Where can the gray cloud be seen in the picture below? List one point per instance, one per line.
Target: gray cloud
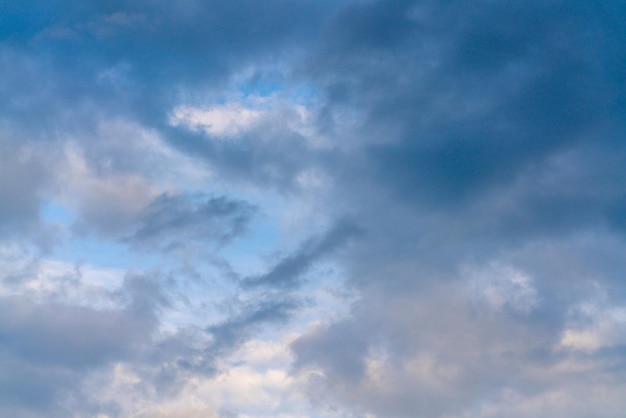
(48, 348)
(24, 180)
(433, 352)
(126, 59)
(230, 333)
(486, 137)
(465, 107)
(173, 221)
(287, 273)
(67, 336)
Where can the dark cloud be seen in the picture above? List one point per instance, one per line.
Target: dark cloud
(23, 182)
(616, 214)
(271, 159)
(132, 59)
(232, 332)
(173, 221)
(288, 272)
(465, 97)
(484, 131)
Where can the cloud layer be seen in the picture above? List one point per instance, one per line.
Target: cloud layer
(297, 208)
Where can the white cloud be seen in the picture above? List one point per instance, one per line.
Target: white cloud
(253, 113)
(595, 325)
(500, 285)
(253, 382)
(223, 121)
(179, 409)
(48, 280)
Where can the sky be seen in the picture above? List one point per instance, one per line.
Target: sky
(312, 209)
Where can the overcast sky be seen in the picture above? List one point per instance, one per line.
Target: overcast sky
(312, 209)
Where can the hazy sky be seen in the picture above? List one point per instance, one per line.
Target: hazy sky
(313, 209)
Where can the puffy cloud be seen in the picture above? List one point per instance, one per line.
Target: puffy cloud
(219, 121)
(49, 346)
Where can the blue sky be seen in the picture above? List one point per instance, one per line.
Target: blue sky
(299, 208)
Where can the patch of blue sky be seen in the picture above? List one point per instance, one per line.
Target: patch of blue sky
(101, 252)
(56, 213)
(246, 253)
(77, 248)
(304, 93)
(272, 83)
(261, 86)
(264, 234)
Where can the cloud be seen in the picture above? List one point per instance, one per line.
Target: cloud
(49, 347)
(451, 127)
(172, 221)
(71, 336)
(456, 168)
(504, 287)
(288, 272)
(219, 121)
(24, 179)
(229, 334)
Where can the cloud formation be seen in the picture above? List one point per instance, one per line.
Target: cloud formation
(347, 208)
(169, 222)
